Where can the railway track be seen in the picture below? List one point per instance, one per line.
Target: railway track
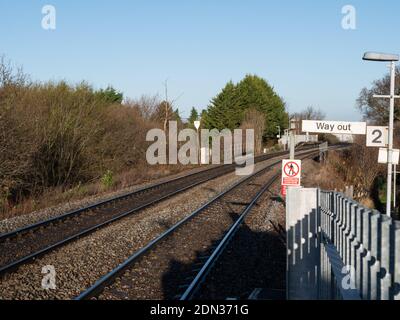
(201, 276)
(28, 243)
(176, 263)
(252, 261)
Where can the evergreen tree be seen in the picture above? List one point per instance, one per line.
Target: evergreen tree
(194, 116)
(176, 116)
(111, 95)
(228, 108)
(255, 92)
(224, 110)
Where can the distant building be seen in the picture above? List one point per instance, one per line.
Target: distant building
(349, 138)
(299, 138)
(297, 123)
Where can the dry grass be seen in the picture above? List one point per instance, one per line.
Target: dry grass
(356, 166)
(58, 196)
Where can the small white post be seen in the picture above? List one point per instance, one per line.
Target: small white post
(394, 186)
(292, 144)
(197, 126)
(292, 138)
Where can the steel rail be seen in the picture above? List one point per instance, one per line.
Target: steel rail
(109, 278)
(95, 205)
(69, 214)
(201, 276)
(15, 264)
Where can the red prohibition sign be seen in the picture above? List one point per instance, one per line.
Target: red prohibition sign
(292, 169)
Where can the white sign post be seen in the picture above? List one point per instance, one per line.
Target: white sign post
(334, 127)
(197, 125)
(377, 137)
(383, 156)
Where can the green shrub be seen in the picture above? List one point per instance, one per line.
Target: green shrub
(107, 179)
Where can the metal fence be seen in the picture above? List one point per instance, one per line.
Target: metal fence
(360, 251)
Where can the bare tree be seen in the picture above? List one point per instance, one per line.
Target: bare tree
(146, 105)
(374, 110)
(168, 107)
(11, 76)
(255, 120)
(310, 113)
(356, 166)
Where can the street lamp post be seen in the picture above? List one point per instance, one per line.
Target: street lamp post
(392, 58)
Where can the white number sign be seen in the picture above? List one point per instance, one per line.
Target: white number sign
(377, 136)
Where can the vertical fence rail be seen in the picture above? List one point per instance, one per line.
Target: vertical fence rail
(363, 245)
(396, 289)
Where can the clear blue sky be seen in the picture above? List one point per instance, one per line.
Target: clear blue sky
(299, 46)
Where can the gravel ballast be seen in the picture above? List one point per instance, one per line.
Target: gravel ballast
(11, 224)
(79, 264)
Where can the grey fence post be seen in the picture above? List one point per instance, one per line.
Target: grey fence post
(343, 233)
(342, 226)
(358, 248)
(333, 217)
(339, 225)
(396, 289)
(303, 251)
(365, 293)
(385, 276)
(375, 252)
(347, 233)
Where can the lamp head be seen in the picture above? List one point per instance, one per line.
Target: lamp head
(382, 57)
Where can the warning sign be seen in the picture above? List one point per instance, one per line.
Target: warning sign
(283, 191)
(291, 173)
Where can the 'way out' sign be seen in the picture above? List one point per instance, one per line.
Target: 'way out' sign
(334, 127)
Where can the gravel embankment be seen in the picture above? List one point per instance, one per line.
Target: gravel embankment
(256, 257)
(36, 240)
(11, 224)
(79, 264)
(162, 272)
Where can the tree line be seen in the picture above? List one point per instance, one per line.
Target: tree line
(63, 135)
